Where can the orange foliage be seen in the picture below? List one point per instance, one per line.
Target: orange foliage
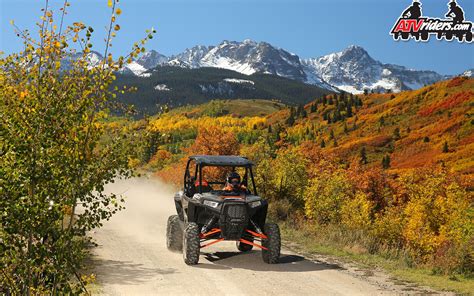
(214, 141)
(210, 141)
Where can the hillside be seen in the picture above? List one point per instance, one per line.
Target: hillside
(411, 128)
(235, 108)
(175, 86)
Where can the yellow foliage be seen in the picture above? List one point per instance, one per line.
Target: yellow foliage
(356, 212)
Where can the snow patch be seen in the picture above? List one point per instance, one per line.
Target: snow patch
(136, 68)
(239, 81)
(162, 87)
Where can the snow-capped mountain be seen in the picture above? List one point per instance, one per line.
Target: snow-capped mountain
(247, 57)
(354, 70)
(148, 60)
(468, 73)
(93, 59)
(191, 57)
(151, 59)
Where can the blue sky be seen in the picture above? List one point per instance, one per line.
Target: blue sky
(307, 28)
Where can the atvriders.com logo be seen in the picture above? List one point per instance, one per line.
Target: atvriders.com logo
(412, 24)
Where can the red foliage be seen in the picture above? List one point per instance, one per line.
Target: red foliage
(456, 81)
(450, 102)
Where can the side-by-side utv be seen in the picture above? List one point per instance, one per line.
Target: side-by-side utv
(208, 212)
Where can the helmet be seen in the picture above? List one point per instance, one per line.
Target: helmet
(416, 3)
(233, 179)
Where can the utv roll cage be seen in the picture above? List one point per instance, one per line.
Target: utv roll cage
(202, 161)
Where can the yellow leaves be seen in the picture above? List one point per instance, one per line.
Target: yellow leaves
(57, 44)
(23, 94)
(116, 27)
(12, 22)
(118, 11)
(109, 3)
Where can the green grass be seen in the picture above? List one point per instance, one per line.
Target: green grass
(252, 107)
(307, 241)
(237, 107)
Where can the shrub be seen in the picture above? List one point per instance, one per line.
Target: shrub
(325, 196)
(54, 157)
(356, 212)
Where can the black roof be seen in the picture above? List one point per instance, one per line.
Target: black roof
(221, 160)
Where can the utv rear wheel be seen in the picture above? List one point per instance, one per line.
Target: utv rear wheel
(191, 244)
(244, 247)
(174, 234)
(272, 243)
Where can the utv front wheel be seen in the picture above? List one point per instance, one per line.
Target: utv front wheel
(174, 234)
(191, 244)
(272, 243)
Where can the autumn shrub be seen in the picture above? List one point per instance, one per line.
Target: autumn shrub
(438, 220)
(447, 103)
(325, 196)
(161, 159)
(356, 212)
(210, 140)
(284, 178)
(54, 159)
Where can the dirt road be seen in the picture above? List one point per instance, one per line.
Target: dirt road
(132, 259)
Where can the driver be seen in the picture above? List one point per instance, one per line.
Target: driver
(234, 183)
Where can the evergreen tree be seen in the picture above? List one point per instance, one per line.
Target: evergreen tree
(386, 162)
(349, 110)
(299, 110)
(270, 129)
(335, 143)
(291, 119)
(323, 144)
(363, 156)
(331, 135)
(396, 134)
(426, 139)
(382, 121)
(346, 130)
(314, 108)
(304, 114)
(445, 147)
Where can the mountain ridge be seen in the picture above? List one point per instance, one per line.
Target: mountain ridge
(351, 70)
